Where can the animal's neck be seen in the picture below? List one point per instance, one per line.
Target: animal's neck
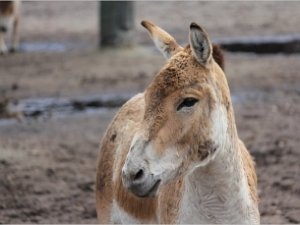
(218, 192)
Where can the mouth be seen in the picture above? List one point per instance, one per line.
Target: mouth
(151, 192)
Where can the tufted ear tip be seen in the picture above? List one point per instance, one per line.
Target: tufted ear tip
(195, 26)
(163, 40)
(145, 23)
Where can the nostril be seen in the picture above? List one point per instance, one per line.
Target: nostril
(139, 175)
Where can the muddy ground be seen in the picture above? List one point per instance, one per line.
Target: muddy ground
(47, 166)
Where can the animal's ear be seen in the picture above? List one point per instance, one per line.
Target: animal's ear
(163, 40)
(200, 44)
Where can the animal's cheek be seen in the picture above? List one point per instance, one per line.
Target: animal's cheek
(165, 137)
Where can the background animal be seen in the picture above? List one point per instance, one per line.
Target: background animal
(172, 153)
(9, 23)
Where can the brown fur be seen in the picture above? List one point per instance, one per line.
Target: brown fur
(104, 175)
(144, 209)
(107, 190)
(178, 74)
(218, 56)
(154, 112)
(169, 201)
(249, 167)
(9, 20)
(6, 8)
(167, 40)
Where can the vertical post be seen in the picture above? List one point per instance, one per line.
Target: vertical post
(116, 23)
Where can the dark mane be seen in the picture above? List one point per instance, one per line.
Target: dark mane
(218, 56)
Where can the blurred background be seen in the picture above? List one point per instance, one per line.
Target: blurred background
(71, 73)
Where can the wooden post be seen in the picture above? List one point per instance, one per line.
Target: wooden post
(116, 23)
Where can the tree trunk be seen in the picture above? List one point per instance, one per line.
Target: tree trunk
(116, 23)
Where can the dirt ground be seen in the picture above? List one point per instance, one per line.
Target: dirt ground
(47, 167)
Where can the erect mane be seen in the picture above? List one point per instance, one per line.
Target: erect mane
(218, 56)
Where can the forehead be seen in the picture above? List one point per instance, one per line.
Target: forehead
(180, 72)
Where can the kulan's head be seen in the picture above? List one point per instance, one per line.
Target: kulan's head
(185, 117)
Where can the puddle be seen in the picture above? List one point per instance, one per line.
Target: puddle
(39, 46)
(277, 44)
(287, 44)
(45, 108)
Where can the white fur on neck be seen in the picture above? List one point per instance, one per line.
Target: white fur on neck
(218, 192)
(220, 127)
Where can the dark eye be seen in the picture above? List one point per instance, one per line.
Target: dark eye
(187, 102)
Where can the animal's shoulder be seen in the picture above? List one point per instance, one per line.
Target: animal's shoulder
(132, 109)
(126, 119)
(130, 114)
